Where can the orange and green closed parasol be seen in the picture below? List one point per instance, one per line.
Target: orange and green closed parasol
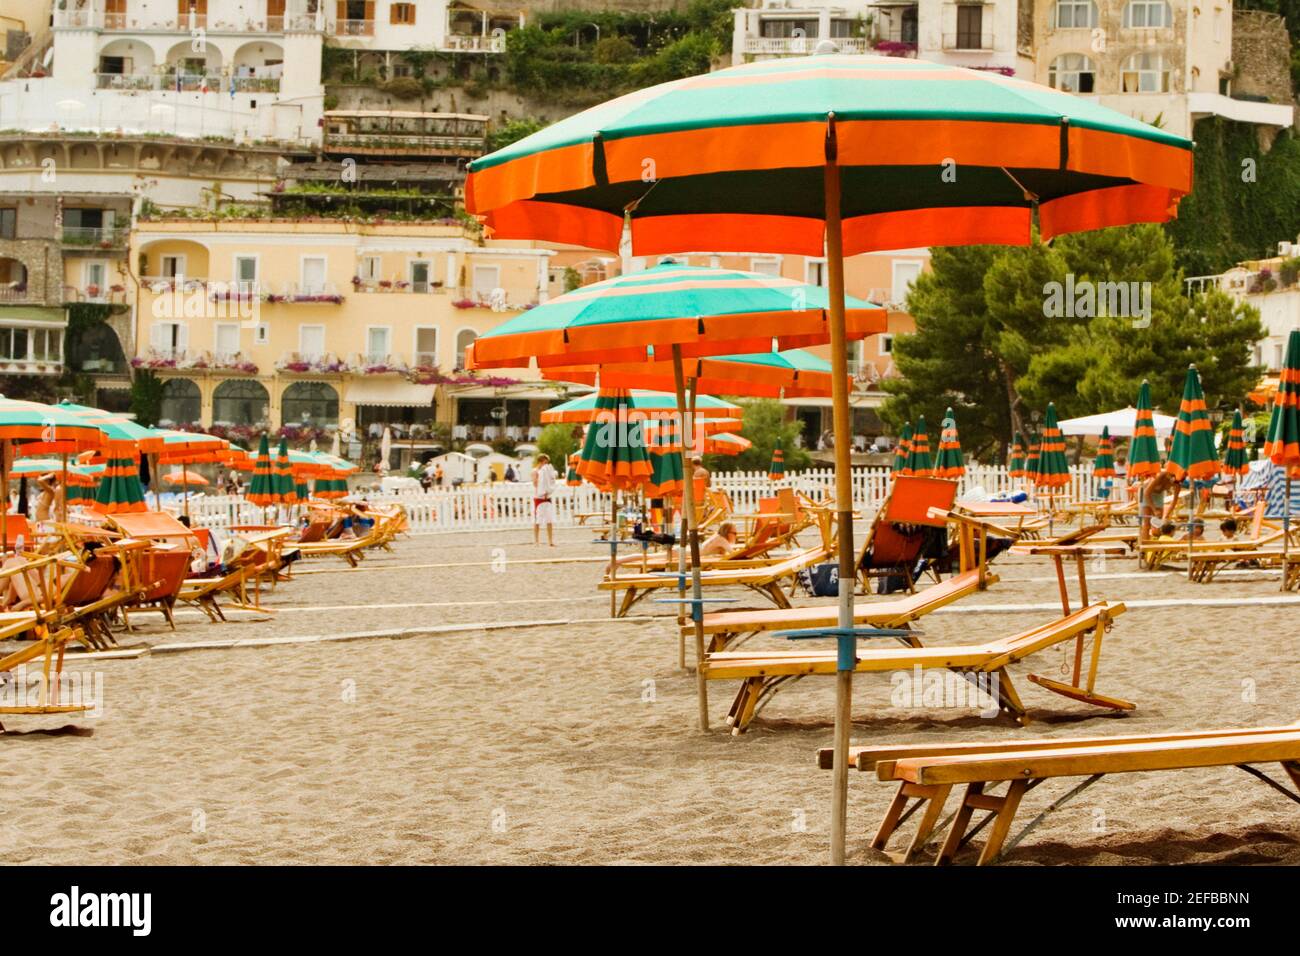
(1053, 469)
(1016, 464)
(949, 464)
(776, 470)
(614, 454)
(1235, 461)
(261, 489)
(903, 450)
(1104, 465)
(572, 478)
(282, 475)
(120, 490)
(1034, 458)
(1193, 455)
(919, 462)
(1143, 449)
(1282, 443)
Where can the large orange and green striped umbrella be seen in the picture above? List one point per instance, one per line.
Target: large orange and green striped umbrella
(331, 479)
(638, 405)
(1104, 465)
(665, 480)
(1235, 461)
(614, 454)
(635, 317)
(949, 464)
(121, 434)
(1033, 458)
(1193, 455)
(727, 443)
(733, 161)
(1053, 469)
(120, 490)
(919, 462)
(903, 451)
(282, 475)
(1143, 450)
(261, 489)
(572, 478)
(1282, 443)
(776, 470)
(1016, 464)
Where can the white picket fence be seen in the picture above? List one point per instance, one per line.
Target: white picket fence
(510, 506)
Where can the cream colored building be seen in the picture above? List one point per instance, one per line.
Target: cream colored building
(266, 322)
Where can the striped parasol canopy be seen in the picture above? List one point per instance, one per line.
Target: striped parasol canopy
(1235, 461)
(183, 476)
(665, 480)
(121, 434)
(261, 489)
(1053, 469)
(1193, 454)
(776, 470)
(633, 318)
(1016, 464)
(726, 443)
(1143, 449)
(639, 405)
(282, 475)
(1104, 465)
(120, 491)
(919, 462)
(571, 477)
(1282, 443)
(188, 448)
(949, 464)
(903, 450)
(331, 478)
(1033, 458)
(614, 454)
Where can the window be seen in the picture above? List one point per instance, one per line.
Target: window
(240, 401)
(464, 339)
(377, 338)
(261, 334)
(886, 345)
(181, 402)
(905, 274)
(426, 346)
(786, 29)
(172, 266)
(310, 403)
(487, 279)
(169, 339)
(225, 339)
(1147, 14)
(311, 342)
(13, 344)
(246, 273)
(47, 345)
(767, 267)
(1073, 73)
(1144, 73)
(8, 223)
(402, 13)
(1075, 15)
(419, 271)
(970, 27)
(313, 275)
(371, 268)
(95, 276)
(814, 271)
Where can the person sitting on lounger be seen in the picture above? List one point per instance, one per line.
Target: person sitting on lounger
(1197, 533)
(721, 542)
(1168, 532)
(1228, 528)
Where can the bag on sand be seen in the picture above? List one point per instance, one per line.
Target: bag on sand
(821, 580)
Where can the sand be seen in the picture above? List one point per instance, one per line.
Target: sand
(561, 736)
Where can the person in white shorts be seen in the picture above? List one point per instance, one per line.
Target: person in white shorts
(544, 479)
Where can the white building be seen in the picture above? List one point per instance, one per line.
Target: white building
(970, 34)
(1273, 287)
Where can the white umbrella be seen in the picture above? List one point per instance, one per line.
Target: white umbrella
(1119, 422)
(385, 449)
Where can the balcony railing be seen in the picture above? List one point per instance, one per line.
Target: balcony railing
(377, 363)
(469, 43)
(102, 237)
(311, 363)
(17, 293)
(354, 28)
(312, 292)
(968, 41)
(257, 84)
(135, 23)
(461, 145)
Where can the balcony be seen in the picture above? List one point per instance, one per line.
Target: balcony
(972, 41)
(396, 143)
(180, 83)
(146, 22)
(469, 43)
(310, 363)
(374, 363)
(312, 293)
(354, 28)
(17, 292)
(95, 237)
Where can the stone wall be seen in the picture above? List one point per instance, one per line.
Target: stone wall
(1261, 55)
(44, 263)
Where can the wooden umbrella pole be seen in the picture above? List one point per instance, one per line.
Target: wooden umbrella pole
(4, 483)
(155, 480)
(693, 533)
(1286, 524)
(63, 497)
(843, 492)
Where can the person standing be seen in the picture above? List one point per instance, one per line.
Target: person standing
(544, 479)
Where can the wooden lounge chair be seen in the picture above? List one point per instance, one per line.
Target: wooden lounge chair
(761, 673)
(897, 536)
(90, 600)
(153, 526)
(926, 774)
(156, 576)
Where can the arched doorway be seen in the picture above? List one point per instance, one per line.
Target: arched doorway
(310, 403)
(181, 403)
(240, 402)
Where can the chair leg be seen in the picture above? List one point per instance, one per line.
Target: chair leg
(937, 797)
(959, 824)
(1002, 823)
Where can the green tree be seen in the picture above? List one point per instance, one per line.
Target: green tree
(558, 442)
(764, 424)
(146, 396)
(511, 131)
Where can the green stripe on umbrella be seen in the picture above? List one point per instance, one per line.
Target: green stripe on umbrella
(1193, 455)
(1143, 449)
(644, 404)
(282, 475)
(903, 450)
(665, 475)
(1053, 469)
(261, 489)
(919, 462)
(1104, 465)
(120, 490)
(1016, 465)
(776, 470)
(949, 464)
(1235, 460)
(1282, 444)
(614, 454)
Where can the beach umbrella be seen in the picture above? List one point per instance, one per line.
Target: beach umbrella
(282, 474)
(1193, 455)
(665, 479)
(830, 156)
(903, 451)
(572, 478)
(1053, 469)
(262, 489)
(614, 455)
(641, 405)
(1143, 450)
(1235, 461)
(120, 490)
(1104, 465)
(1016, 465)
(1120, 423)
(1282, 443)
(776, 470)
(919, 462)
(725, 443)
(949, 464)
(331, 477)
(190, 479)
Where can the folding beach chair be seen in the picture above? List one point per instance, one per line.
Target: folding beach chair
(898, 535)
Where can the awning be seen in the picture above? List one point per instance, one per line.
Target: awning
(521, 394)
(859, 400)
(394, 394)
(33, 315)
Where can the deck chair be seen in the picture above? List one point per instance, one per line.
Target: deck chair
(153, 526)
(761, 673)
(926, 774)
(202, 592)
(351, 550)
(156, 576)
(89, 599)
(894, 542)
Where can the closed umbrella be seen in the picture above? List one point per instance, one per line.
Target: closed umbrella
(1282, 444)
(1053, 469)
(261, 489)
(1143, 450)
(282, 475)
(949, 464)
(903, 451)
(919, 462)
(776, 470)
(1192, 455)
(1016, 464)
(1104, 465)
(572, 478)
(1235, 461)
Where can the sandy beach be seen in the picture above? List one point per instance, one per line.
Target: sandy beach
(496, 714)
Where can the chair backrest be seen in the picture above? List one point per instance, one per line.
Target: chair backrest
(162, 573)
(91, 581)
(790, 505)
(314, 532)
(153, 526)
(1257, 520)
(911, 499)
(16, 527)
(757, 544)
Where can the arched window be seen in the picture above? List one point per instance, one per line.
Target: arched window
(464, 339)
(1075, 15)
(240, 402)
(1145, 14)
(1072, 72)
(1144, 73)
(180, 403)
(310, 403)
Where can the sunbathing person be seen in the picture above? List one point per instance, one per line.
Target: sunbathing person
(721, 542)
(1228, 528)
